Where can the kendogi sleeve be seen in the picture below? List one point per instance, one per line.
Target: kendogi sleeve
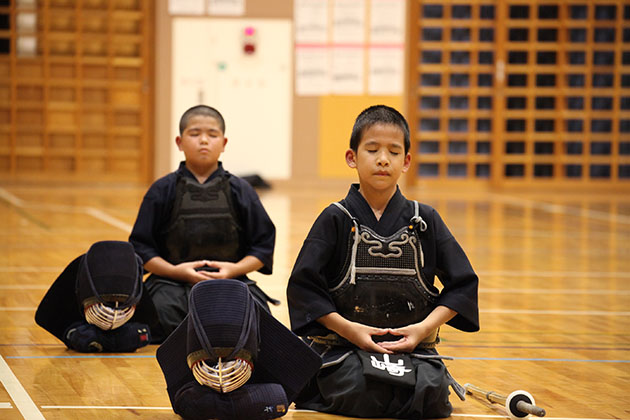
(458, 277)
(259, 232)
(152, 216)
(307, 291)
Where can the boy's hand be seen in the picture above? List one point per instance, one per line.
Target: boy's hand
(410, 337)
(232, 270)
(192, 272)
(358, 334)
(188, 272)
(361, 336)
(226, 270)
(221, 270)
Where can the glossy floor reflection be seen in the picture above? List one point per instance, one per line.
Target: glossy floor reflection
(554, 296)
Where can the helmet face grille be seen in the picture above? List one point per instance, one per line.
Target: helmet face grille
(224, 376)
(106, 317)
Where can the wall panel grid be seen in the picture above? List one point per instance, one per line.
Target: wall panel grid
(520, 92)
(74, 89)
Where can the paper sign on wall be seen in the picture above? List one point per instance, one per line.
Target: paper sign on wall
(312, 74)
(310, 20)
(226, 7)
(333, 38)
(186, 7)
(387, 22)
(348, 22)
(203, 7)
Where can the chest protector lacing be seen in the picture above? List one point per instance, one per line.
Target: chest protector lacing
(382, 283)
(203, 223)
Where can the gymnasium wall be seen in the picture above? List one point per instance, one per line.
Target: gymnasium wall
(511, 94)
(320, 118)
(76, 90)
(520, 94)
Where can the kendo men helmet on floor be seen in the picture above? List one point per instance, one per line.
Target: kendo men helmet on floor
(109, 284)
(97, 304)
(230, 359)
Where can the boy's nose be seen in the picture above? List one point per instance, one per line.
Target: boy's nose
(382, 160)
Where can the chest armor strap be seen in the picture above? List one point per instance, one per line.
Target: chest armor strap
(383, 284)
(203, 223)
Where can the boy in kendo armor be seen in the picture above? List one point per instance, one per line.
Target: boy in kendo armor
(97, 303)
(362, 290)
(200, 223)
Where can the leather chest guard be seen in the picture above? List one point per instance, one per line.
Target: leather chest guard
(382, 284)
(203, 222)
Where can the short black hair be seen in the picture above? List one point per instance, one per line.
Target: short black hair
(378, 114)
(205, 110)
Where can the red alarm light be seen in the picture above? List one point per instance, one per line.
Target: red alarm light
(249, 40)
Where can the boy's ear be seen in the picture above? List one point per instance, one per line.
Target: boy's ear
(178, 142)
(407, 163)
(351, 158)
(224, 142)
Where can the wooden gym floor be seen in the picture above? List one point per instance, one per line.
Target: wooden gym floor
(554, 300)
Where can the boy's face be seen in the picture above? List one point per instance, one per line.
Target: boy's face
(380, 158)
(202, 142)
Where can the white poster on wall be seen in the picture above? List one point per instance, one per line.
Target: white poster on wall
(387, 21)
(312, 70)
(226, 7)
(386, 55)
(312, 58)
(251, 88)
(186, 7)
(310, 19)
(347, 53)
(386, 72)
(348, 26)
(347, 70)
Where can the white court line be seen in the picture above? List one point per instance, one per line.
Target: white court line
(10, 269)
(552, 291)
(552, 312)
(10, 198)
(484, 311)
(5, 405)
(499, 273)
(494, 416)
(18, 308)
(18, 394)
(102, 407)
(580, 274)
(294, 410)
(481, 290)
(110, 220)
(562, 209)
(543, 234)
(90, 211)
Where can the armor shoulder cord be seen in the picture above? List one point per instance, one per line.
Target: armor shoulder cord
(417, 219)
(355, 243)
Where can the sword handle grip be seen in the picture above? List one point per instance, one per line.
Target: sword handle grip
(531, 409)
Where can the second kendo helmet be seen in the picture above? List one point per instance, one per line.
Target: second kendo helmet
(103, 290)
(230, 359)
(109, 284)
